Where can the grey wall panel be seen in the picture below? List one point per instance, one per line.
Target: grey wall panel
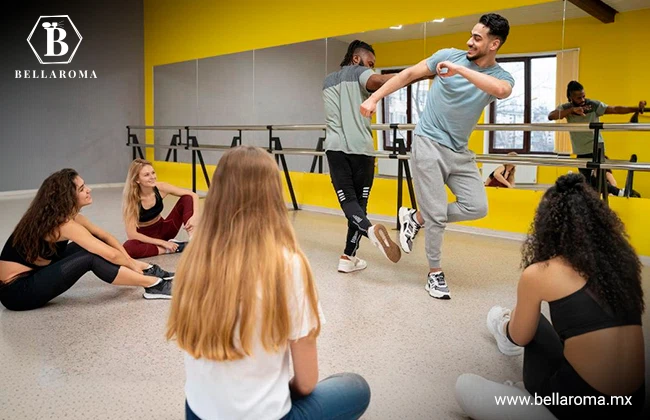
(49, 124)
(288, 90)
(175, 102)
(279, 85)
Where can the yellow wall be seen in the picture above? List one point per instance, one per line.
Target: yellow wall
(613, 69)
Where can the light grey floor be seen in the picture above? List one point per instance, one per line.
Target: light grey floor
(98, 351)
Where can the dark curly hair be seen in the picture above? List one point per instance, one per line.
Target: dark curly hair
(573, 223)
(55, 202)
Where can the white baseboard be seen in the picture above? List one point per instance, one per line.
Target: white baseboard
(6, 195)
(519, 237)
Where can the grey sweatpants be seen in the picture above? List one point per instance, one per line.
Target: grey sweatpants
(435, 165)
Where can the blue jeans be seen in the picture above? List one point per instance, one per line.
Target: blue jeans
(341, 396)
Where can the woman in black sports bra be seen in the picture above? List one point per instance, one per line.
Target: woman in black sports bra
(148, 231)
(53, 245)
(577, 259)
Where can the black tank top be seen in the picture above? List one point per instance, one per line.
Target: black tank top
(147, 215)
(9, 253)
(581, 312)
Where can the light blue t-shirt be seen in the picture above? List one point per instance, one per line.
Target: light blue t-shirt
(454, 104)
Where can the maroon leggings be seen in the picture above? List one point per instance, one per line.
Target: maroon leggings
(165, 229)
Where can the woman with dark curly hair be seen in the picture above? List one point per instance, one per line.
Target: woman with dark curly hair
(578, 259)
(39, 263)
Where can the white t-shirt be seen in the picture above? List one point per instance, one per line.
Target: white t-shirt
(254, 387)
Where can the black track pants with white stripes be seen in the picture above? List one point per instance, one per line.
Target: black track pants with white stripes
(352, 177)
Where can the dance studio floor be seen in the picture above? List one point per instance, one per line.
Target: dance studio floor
(99, 351)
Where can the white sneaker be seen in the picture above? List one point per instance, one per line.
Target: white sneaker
(437, 286)
(353, 264)
(408, 228)
(497, 318)
(380, 238)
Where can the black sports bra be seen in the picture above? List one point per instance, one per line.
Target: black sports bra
(580, 313)
(10, 253)
(147, 215)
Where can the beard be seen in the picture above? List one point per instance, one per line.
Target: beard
(475, 57)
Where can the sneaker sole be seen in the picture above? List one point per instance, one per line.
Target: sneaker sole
(387, 245)
(155, 296)
(403, 241)
(509, 352)
(435, 293)
(352, 270)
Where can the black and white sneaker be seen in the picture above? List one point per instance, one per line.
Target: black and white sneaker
(156, 271)
(409, 227)
(181, 245)
(436, 286)
(161, 290)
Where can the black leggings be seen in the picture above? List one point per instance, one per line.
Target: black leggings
(548, 373)
(35, 288)
(352, 177)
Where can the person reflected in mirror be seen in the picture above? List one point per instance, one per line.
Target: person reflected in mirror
(580, 109)
(503, 176)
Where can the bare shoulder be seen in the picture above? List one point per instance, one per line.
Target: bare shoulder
(554, 278)
(67, 229)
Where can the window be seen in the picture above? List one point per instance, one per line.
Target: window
(403, 107)
(533, 97)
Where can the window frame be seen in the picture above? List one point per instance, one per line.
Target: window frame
(385, 111)
(527, 60)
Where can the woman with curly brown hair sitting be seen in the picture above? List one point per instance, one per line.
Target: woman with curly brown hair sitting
(579, 260)
(53, 245)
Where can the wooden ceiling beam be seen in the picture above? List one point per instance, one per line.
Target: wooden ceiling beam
(597, 9)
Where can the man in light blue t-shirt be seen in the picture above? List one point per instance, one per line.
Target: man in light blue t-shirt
(465, 83)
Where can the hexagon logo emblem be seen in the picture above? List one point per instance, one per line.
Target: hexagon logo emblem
(54, 39)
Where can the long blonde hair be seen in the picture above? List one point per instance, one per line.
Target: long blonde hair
(131, 194)
(236, 264)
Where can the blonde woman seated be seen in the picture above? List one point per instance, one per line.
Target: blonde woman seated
(246, 306)
(149, 233)
(503, 176)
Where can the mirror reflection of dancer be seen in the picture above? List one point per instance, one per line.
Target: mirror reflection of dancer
(580, 109)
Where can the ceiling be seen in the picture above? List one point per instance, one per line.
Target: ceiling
(541, 13)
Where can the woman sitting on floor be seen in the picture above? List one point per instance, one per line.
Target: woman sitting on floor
(245, 302)
(149, 233)
(577, 259)
(38, 263)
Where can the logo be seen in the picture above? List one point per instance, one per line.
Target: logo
(54, 39)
